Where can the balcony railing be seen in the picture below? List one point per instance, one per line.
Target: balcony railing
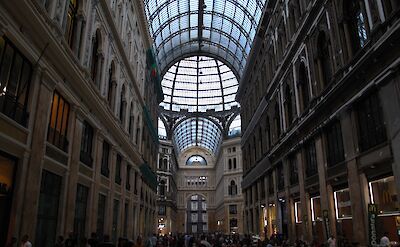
(14, 110)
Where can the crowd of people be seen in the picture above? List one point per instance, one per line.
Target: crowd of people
(188, 240)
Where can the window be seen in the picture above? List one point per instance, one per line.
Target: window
(58, 126)
(271, 186)
(356, 24)
(311, 159)
(383, 192)
(303, 87)
(294, 172)
(335, 151)
(15, 79)
(230, 164)
(101, 214)
(82, 193)
(232, 188)
(122, 105)
(95, 61)
(262, 187)
(316, 210)
(128, 177)
(371, 125)
(118, 165)
(233, 223)
(234, 163)
(342, 204)
(281, 177)
(111, 85)
(268, 133)
(71, 22)
(114, 229)
(86, 144)
(162, 188)
(161, 210)
(297, 212)
(324, 60)
(196, 160)
(131, 121)
(233, 209)
(105, 171)
(289, 106)
(47, 218)
(277, 121)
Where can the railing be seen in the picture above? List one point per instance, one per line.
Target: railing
(14, 110)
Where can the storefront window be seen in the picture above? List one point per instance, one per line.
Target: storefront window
(7, 167)
(342, 204)
(316, 211)
(383, 193)
(297, 212)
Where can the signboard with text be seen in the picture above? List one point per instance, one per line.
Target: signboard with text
(372, 217)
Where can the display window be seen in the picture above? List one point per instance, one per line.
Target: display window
(342, 204)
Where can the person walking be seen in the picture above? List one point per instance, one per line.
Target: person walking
(331, 241)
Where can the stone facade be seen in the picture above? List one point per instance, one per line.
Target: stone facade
(320, 120)
(74, 136)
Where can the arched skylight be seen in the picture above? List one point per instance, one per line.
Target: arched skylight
(235, 127)
(224, 29)
(200, 132)
(162, 132)
(198, 84)
(196, 160)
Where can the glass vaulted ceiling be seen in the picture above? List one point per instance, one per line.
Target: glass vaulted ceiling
(198, 84)
(220, 28)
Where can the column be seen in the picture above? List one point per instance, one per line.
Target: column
(391, 111)
(357, 202)
(38, 147)
(323, 190)
(305, 200)
(97, 153)
(289, 203)
(72, 174)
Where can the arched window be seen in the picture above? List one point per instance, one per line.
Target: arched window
(323, 60)
(234, 163)
(160, 163)
(111, 85)
(277, 121)
(230, 164)
(232, 189)
(95, 65)
(303, 87)
(131, 120)
(356, 21)
(162, 188)
(268, 133)
(288, 105)
(122, 106)
(71, 24)
(137, 130)
(165, 163)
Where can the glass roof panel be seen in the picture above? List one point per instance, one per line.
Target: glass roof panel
(199, 83)
(200, 132)
(224, 28)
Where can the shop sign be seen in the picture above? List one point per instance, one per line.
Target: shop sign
(326, 223)
(372, 215)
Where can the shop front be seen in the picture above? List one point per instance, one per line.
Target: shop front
(344, 221)
(317, 220)
(7, 175)
(383, 194)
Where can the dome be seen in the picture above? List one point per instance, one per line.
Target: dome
(198, 84)
(196, 160)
